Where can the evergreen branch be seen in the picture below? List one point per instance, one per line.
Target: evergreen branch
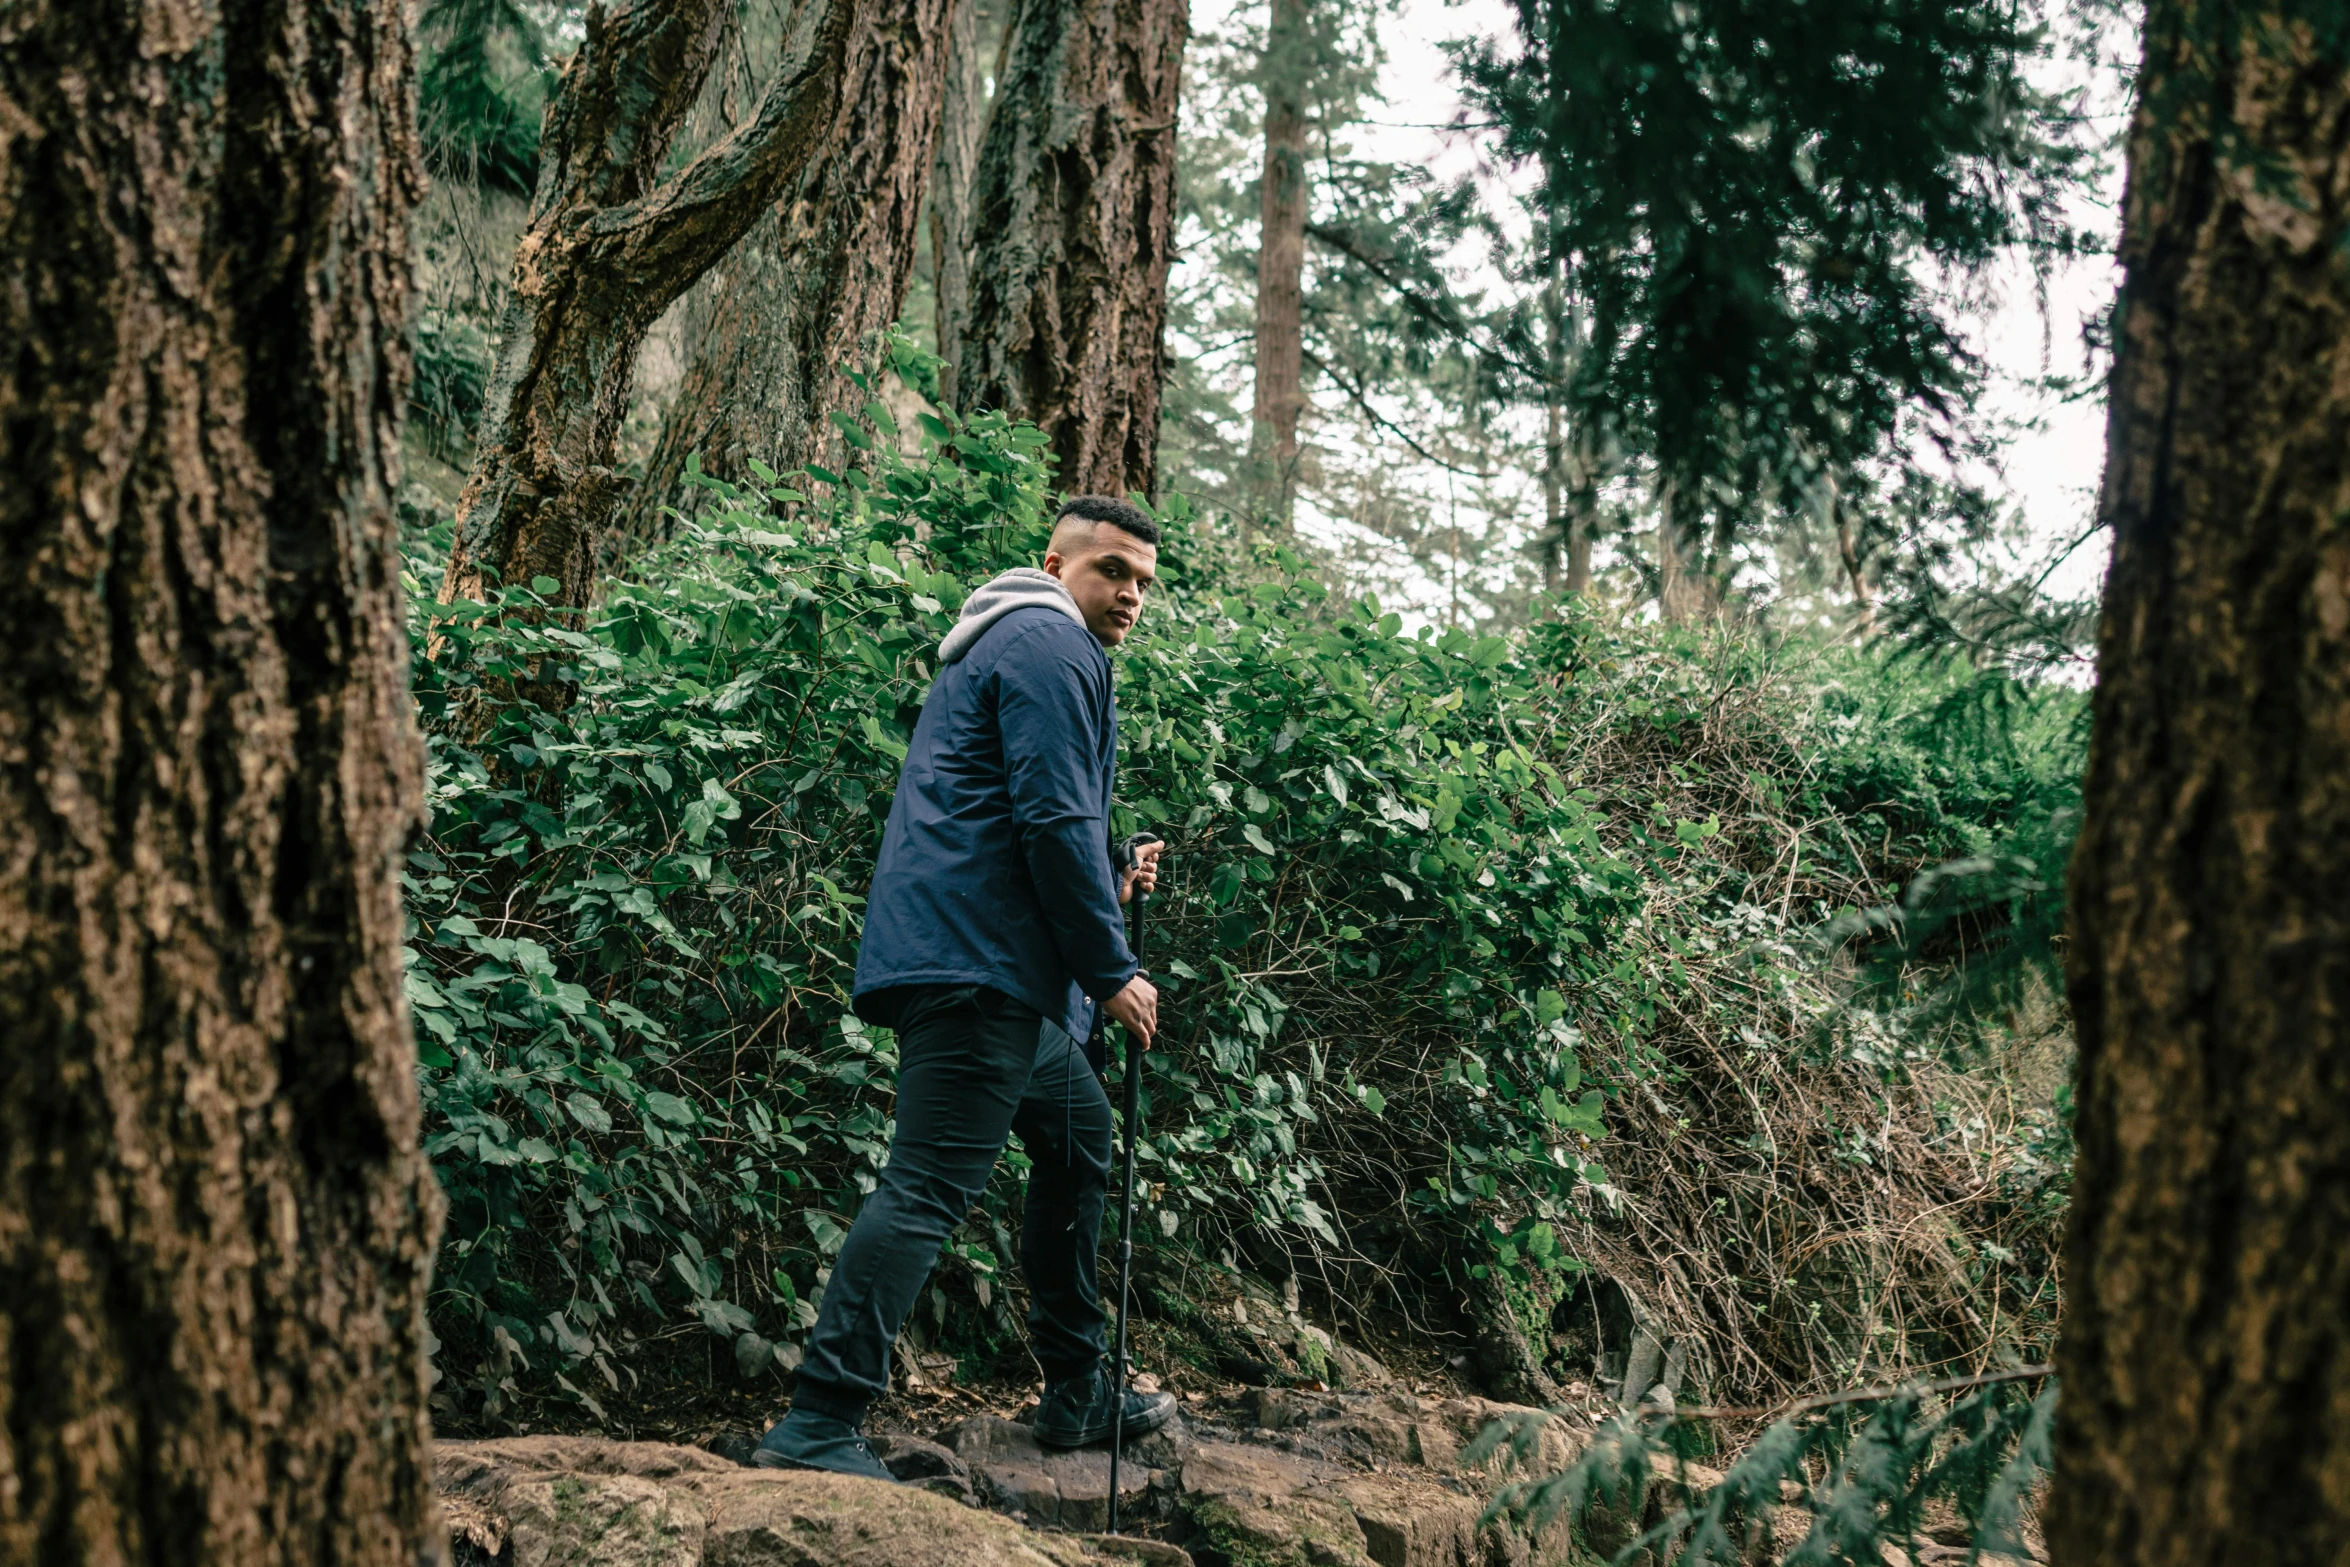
(1362, 400)
(1435, 310)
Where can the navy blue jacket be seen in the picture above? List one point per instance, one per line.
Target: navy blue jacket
(995, 865)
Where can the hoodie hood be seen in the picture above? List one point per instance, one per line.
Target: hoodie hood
(1023, 587)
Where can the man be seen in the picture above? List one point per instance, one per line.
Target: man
(992, 933)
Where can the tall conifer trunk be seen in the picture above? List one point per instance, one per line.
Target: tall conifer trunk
(1555, 532)
(1570, 461)
(2206, 1343)
(1582, 510)
(822, 271)
(1680, 582)
(1282, 199)
(215, 1226)
(954, 167)
(1074, 217)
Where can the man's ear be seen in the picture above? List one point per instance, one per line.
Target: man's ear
(1054, 561)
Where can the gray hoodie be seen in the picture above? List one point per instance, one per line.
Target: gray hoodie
(1023, 587)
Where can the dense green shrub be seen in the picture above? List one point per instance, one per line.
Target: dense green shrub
(1442, 909)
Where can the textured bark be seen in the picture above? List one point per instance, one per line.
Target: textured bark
(2206, 1345)
(215, 1227)
(1075, 216)
(954, 167)
(1281, 263)
(1583, 452)
(1582, 520)
(822, 270)
(609, 246)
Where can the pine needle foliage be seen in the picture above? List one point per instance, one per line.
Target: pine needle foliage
(481, 91)
(1967, 779)
(1830, 1484)
(1762, 205)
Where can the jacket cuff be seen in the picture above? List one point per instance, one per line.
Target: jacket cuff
(1110, 987)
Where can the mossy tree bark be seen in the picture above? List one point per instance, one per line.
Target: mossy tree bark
(822, 271)
(1074, 215)
(215, 1226)
(2206, 1346)
(609, 246)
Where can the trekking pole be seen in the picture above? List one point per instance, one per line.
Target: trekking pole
(1132, 1095)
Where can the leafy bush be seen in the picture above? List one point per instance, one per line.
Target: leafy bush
(1442, 911)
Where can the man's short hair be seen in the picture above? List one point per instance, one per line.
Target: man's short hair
(1120, 514)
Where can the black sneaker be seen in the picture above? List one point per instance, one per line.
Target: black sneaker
(1081, 1412)
(804, 1439)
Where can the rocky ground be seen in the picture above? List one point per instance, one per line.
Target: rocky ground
(1339, 1462)
(1267, 1478)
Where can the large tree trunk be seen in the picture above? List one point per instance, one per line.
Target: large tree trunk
(954, 167)
(608, 247)
(2206, 1346)
(1570, 473)
(822, 271)
(1281, 263)
(215, 1227)
(1075, 216)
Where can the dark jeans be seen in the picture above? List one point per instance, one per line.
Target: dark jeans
(973, 1066)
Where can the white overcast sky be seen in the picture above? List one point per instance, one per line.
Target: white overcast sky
(2051, 471)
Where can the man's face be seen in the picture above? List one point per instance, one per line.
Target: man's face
(1106, 572)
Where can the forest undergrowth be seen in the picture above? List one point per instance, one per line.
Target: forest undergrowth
(1599, 1003)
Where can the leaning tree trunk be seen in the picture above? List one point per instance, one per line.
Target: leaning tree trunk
(2206, 1344)
(1281, 265)
(609, 245)
(821, 272)
(1075, 218)
(215, 1227)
